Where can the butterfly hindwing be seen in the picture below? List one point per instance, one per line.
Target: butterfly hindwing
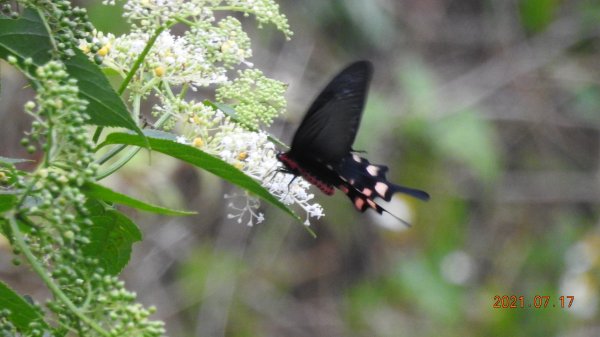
(369, 179)
(361, 202)
(331, 123)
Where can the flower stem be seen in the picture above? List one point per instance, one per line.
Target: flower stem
(47, 26)
(126, 81)
(140, 59)
(119, 163)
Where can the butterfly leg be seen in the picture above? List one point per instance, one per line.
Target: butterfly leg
(291, 181)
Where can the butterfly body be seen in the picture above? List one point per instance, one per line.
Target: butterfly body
(321, 150)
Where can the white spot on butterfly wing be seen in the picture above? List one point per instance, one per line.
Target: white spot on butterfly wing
(356, 158)
(381, 189)
(373, 170)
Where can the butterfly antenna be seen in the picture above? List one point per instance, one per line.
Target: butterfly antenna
(404, 222)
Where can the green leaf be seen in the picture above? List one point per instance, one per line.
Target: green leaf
(105, 107)
(200, 159)
(99, 192)
(7, 202)
(108, 19)
(10, 161)
(112, 235)
(466, 137)
(22, 313)
(537, 14)
(26, 37)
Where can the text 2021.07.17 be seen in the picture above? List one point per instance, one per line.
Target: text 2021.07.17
(537, 302)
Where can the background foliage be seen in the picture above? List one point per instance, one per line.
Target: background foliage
(492, 107)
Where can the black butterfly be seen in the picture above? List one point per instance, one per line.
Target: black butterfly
(321, 149)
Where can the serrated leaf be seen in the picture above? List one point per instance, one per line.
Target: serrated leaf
(100, 192)
(105, 107)
(26, 37)
(112, 235)
(22, 313)
(202, 160)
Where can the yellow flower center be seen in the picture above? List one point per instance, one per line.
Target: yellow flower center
(197, 142)
(103, 51)
(159, 71)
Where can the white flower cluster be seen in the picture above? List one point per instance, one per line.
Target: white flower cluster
(254, 154)
(192, 58)
(201, 57)
(156, 13)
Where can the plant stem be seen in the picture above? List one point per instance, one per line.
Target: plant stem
(37, 267)
(106, 157)
(233, 9)
(26, 192)
(119, 163)
(126, 81)
(140, 59)
(97, 134)
(47, 26)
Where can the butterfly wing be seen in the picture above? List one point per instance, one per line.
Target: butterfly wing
(370, 181)
(330, 125)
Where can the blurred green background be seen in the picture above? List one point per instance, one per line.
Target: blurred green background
(493, 107)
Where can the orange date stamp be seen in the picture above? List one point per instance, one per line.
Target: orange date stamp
(536, 302)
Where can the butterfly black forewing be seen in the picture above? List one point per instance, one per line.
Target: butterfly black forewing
(321, 149)
(330, 125)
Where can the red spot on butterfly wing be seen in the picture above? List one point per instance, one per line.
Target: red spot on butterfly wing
(367, 192)
(327, 189)
(359, 203)
(362, 203)
(360, 200)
